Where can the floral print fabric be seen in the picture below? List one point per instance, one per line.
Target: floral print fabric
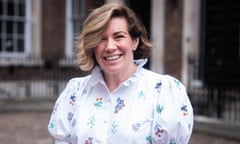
(148, 108)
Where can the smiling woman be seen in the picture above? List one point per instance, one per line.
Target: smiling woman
(93, 32)
(114, 53)
(119, 101)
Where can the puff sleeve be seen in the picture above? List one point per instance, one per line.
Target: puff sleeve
(61, 119)
(173, 113)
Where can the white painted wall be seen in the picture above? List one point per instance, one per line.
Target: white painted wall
(190, 41)
(157, 35)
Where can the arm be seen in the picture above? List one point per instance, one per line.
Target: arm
(60, 122)
(173, 116)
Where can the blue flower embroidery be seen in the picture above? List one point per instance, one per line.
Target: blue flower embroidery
(72, 99)
(158, 130)
(184, 109)
(73, 122)
(119, 106)
(158, 86)
(136, 126)
(70, 116)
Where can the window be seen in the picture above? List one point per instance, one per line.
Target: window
(75, 15)
(14, 27)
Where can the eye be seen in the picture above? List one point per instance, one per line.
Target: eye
(119, 36)
(103, 38)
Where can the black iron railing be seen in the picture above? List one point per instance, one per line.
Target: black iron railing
(216, 102)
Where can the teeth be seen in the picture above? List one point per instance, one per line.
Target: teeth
(112, 57)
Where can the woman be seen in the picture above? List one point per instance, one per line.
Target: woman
(119, 102)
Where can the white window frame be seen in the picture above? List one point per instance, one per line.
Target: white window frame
(69, 30)
(27, 35)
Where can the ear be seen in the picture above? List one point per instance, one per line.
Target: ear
(135, 43)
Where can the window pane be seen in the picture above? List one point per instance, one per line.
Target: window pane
(8, 45)
(12, 26)
(1, 25)
(20, 27)
(1, 49)
(9, 27)
(10, 8)
(15, 44)
(77, 27)
(76, 7)
(21, 9)
(1, 6)
(20, 47)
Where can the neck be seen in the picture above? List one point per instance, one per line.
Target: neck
(114, 80)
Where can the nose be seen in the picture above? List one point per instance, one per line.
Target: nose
(110, 45)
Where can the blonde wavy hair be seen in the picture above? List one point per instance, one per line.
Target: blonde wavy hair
(94, 26)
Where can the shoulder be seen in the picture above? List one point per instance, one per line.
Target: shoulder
(77, 81)
(72, 87)
(150, 76)
(153, 76)
(157, 80)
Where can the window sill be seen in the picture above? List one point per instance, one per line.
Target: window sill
(28, 62)
(67, 62)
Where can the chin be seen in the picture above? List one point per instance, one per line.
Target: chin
(111, 70)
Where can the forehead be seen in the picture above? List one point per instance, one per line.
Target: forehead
(117, 24)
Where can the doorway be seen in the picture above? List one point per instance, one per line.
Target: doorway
(220, 43)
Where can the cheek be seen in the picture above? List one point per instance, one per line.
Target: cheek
(127, 47)
(97, 51)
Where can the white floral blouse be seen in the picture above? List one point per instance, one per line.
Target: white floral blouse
(148, 108)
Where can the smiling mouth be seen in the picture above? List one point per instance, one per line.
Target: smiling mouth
(112, 58)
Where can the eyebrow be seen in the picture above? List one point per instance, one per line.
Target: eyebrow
(120, 32)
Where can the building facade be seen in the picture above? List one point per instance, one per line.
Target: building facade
(196, 41)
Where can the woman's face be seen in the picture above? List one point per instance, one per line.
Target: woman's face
(114, 53)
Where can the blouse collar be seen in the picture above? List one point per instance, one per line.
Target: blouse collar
(97, 74)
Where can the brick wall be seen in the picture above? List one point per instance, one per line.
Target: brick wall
(173, 38)
(53, 29)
